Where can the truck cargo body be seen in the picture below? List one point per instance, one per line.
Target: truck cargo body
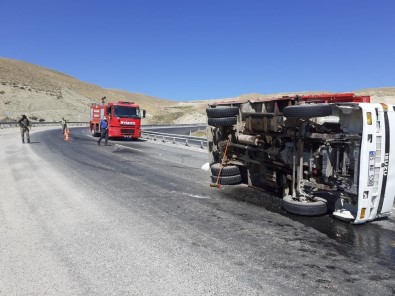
(309, 150)
(124, 119)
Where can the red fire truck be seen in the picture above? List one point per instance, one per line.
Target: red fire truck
(124, 119)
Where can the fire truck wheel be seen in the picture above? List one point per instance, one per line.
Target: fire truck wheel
(222, 112)
(227, 180)
(223, 121)
(228, 170)
(93, 132)
(308, 208)
(316, 110)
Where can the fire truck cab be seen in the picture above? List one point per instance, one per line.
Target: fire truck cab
(310, 150)
(124, 119)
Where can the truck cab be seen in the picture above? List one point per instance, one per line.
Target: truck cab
(124, 119)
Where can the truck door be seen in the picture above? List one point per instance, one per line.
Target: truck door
(109, 113)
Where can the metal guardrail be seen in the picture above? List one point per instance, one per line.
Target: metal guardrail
(4, 124)
(175, 139)
(148, 126)
(150, 135)
(7, 124)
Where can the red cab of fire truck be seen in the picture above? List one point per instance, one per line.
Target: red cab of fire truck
(329, 152)
(124, 119)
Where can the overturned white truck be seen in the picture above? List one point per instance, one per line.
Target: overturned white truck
(309, 150)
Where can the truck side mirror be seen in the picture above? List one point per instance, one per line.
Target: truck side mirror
(143, 113)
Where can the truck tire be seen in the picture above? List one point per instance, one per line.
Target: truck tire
(313, 110)
(222, 112)
(93, 132)
(222, 121)
(227, 180)
(228, 170)
(312, 208)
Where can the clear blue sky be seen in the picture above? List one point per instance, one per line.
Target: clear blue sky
(200, 49)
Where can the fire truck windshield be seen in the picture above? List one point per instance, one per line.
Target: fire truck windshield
(123, 111)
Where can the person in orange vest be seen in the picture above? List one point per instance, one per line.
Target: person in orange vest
(104, 131)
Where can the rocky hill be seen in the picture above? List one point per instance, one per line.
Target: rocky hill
(45, 94)
(48, 95)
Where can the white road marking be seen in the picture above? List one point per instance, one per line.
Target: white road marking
(198, 196)
(192, 195)
(206, 166)
(126, 147)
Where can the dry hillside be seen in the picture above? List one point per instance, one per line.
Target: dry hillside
(49, 95)
(45, 94)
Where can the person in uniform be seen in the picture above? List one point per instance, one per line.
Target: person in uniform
(25, 126)
(104, 131)
(64, 125)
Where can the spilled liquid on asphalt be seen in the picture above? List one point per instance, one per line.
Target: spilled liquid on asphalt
(374, 239)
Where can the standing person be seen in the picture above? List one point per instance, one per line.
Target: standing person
(25, 126)
(104, 131)
(64, 125)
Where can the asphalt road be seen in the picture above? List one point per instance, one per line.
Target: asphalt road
(139, 218)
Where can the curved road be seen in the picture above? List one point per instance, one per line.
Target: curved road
(139, 218)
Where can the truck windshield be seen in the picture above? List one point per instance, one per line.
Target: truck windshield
(123, 111)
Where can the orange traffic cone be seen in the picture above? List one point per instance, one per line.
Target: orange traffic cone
(66, 135)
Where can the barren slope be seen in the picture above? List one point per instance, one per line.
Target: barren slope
(49, 95)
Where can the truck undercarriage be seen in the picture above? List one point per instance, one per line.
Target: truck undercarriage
(300, 149)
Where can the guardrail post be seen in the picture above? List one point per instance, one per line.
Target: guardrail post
(163, 139)
(174, 140)
(154, 138)
(201, 145)
(186, 142)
